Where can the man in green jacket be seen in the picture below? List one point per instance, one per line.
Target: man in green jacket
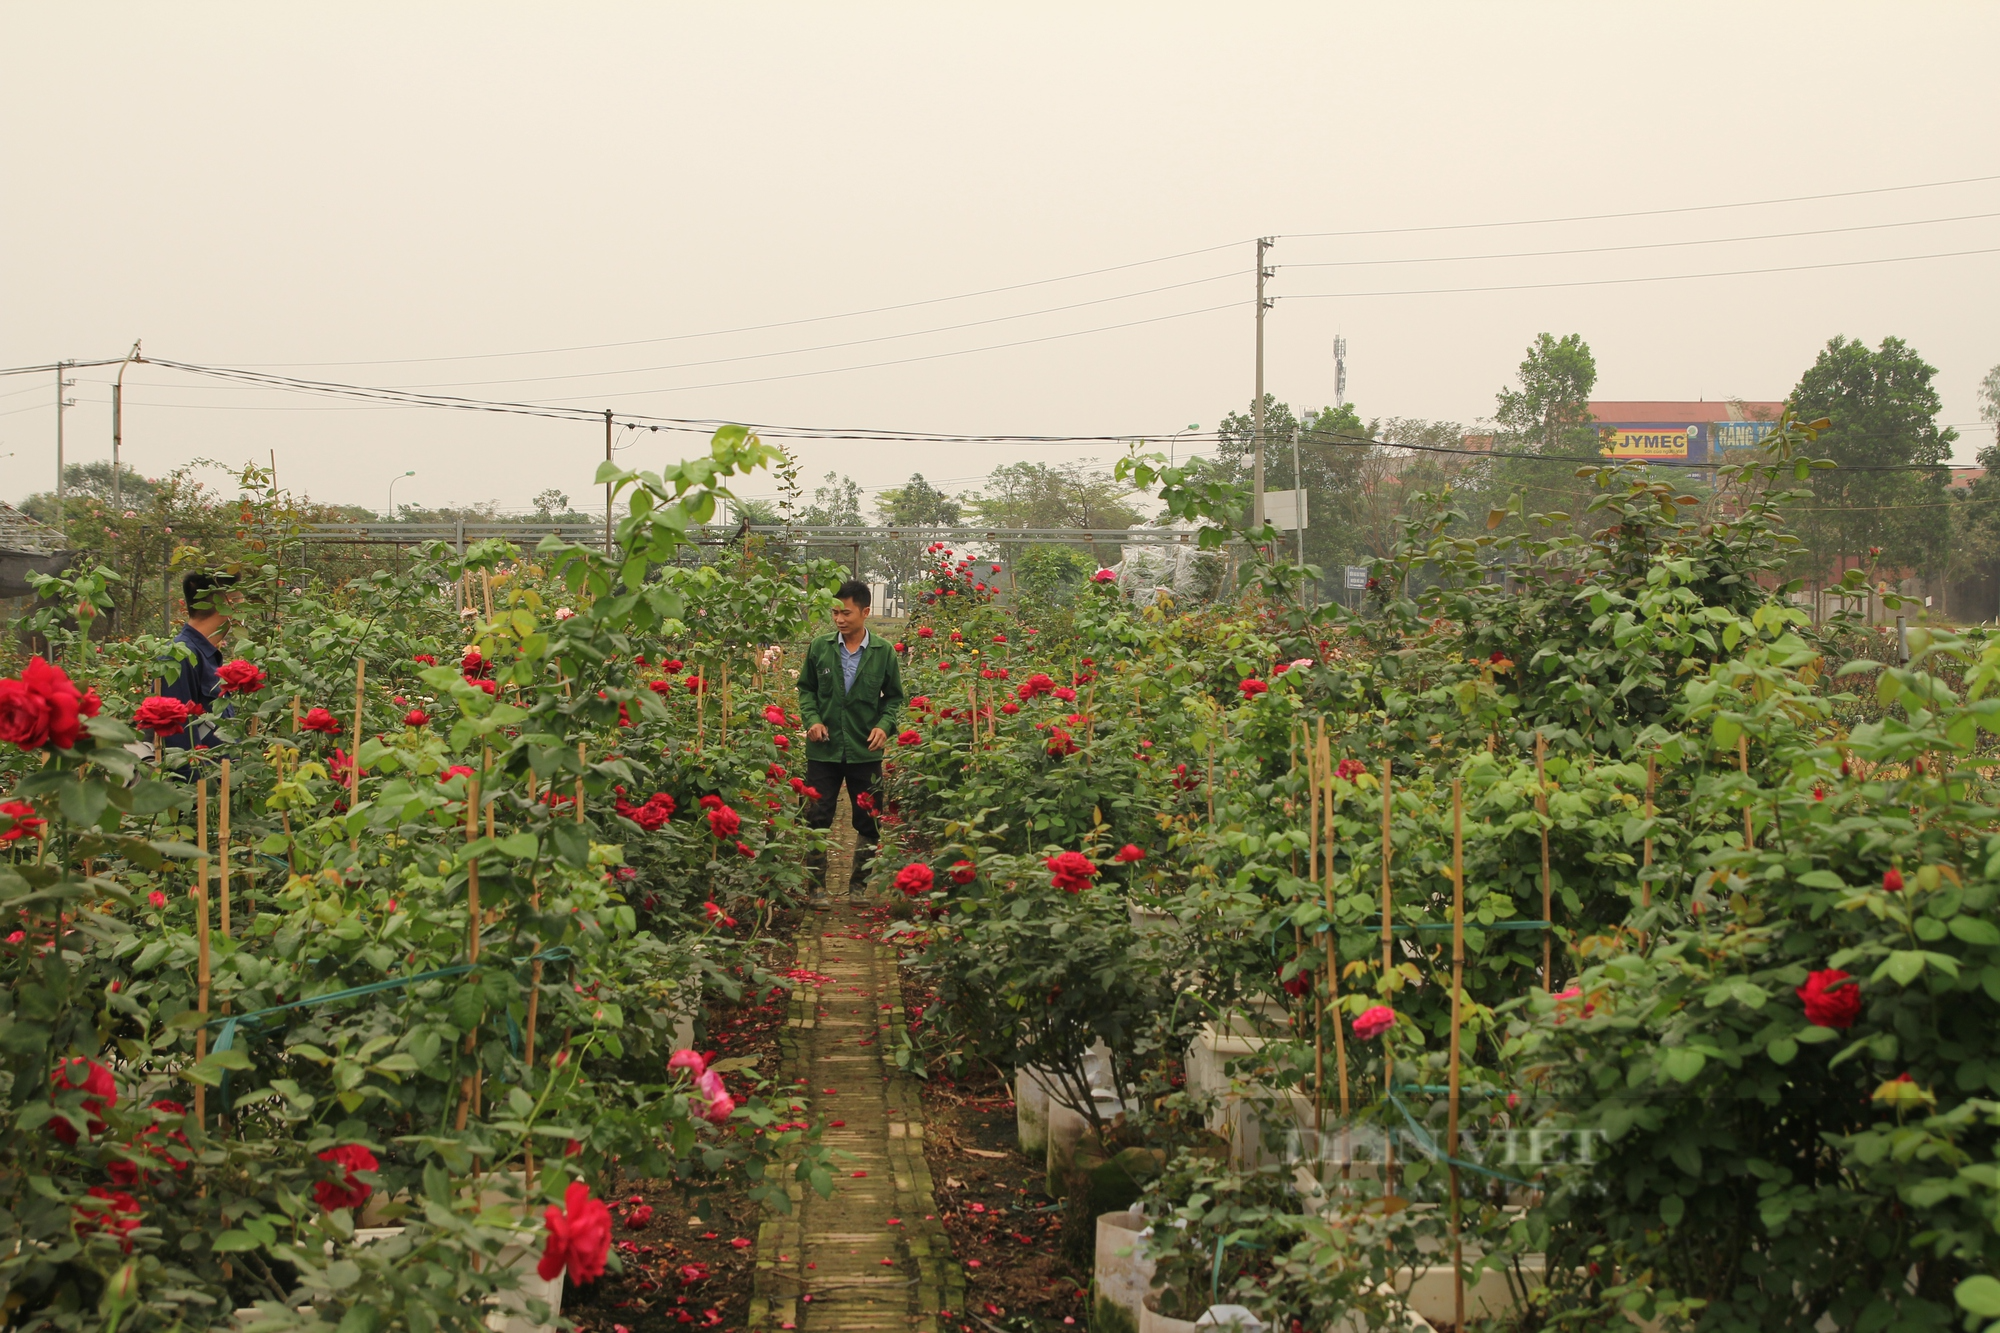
(850, 692)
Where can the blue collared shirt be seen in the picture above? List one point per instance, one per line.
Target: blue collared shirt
(850, 663)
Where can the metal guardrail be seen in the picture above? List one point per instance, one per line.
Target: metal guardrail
(411, 534)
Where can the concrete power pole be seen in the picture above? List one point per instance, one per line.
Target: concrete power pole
(62, 487)
(607, 485)
(1257, 404)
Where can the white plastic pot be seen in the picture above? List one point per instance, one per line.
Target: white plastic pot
(1123, 1271)
(1031, 1112)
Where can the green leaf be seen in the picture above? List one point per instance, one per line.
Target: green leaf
(231, 1242)
(83, 802)
(1822, 879)
(1905, 965)
(520, 846)
(1975, 930)
(468, 1006)
(1980, 1294)
(1681, 1063)
(1782, 1051)
(1672, 1209)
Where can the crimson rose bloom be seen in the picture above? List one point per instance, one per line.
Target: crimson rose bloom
(909, 737)
(963, 872)
(579, 1237)
(1350, 769)
(240, 677)
(1892, 880)
(416, 717)
(117, 1215)
(43, 707)
(474, 664)
(1071, 871)
(914, 878)
(1252, 688)
(1060, 744)
(1298, 985)
(1039, 683)
(1374, 1022)
(1832, 998)
(925, 631)
(1010, 708)
(724, 822)
(672, 664)
(168, 717)
(347, 1192)
(774, 715)
(1129, 853)
(318, 719)
(82, 1072)
(425, 658)
(1104, 576)
(26, 823)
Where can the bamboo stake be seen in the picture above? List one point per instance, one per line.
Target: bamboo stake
(201, 936)
(1646, 861)
(486, 588)
(1211, 782)
(295, 715)
(1743, 766)
(700, 707)
(723, 734)
(1457, 992)
(471, 1086)
(1388, 851)
(1548, 899)
(354, 759)
(1332, 946)
(579, 782)
(1312, 873)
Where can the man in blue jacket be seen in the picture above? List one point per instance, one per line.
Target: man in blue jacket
(189, 669)
(850, 692)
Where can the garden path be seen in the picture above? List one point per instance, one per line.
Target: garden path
(873, 1257)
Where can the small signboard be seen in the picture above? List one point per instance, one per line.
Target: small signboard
(1286, 510)
(1357, 578)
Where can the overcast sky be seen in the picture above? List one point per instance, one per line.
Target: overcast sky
(424, 194)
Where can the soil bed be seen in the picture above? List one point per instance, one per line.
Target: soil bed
(682, 1271)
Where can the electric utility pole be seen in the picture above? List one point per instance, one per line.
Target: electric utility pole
(118, 430)
(62, 488)
(1257, 404)
(607, 485)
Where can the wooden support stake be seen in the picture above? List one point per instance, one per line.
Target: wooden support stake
(1332, 941)
(1743, 766)
(486, 589)
(354, 759)
(295, 715)
(1646, 861)
(202, 943)
(723, 733)
(1312, 874)
(1457, 1017)
(1548, 897)
(1211, 782)
(579, 782)
(1388, 851)
(471, 1087)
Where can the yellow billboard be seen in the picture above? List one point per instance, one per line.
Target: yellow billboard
(1649, 440)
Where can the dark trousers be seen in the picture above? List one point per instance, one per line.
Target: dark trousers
(861, 779)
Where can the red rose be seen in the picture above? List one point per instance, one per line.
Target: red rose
(347, 1192)
(416, 717)
(963, 872)
(425, 658)
(774, 715)
(1039, 683)
(60, 703)
(102, 1092)
(318, 719)
(925, 631)
(724, 822)
(1299, 985)
(486, 685)
(1892, 880)
(1061, 743)
(26, 824)
(782, 741)
(1350, 769)
(240, 677)
(114, 1213)
(1252, 688)
(159, 714)
(1832, 998)
(1129, 853)
(579, 1237)
(695, 685)
(1374, 1022)
(1010, 708)
(474, 664)
(909, 737)
(914, 878)
(673, 665)
(1071, 871)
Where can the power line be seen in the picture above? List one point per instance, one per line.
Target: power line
(1622, 282)
(827, 347)
(752, 328)
(1647, 212)
(1342, 439)
(1653, 245)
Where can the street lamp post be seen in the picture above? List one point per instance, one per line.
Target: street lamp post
(1192, 425)
(392, 493)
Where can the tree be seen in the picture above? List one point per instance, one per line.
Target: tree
(1884, 435)
(89, 485)
(549, 503)
(1036, 495)
(836, 504)
(1550, 412)
(1989, 405)
(917, 503)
